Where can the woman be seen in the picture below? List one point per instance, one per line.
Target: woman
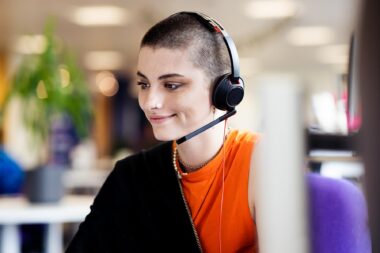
(190, 197)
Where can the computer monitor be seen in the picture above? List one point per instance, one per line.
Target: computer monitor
(353, 105)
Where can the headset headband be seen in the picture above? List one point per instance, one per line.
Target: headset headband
(214, 26)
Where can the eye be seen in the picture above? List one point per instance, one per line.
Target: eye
(143, 85)
(172, 86)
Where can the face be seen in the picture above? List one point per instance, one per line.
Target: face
(173, 93)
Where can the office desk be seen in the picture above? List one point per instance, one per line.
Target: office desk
(15, 211)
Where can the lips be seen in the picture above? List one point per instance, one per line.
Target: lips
(157, 119)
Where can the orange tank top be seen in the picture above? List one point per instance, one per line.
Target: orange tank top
(202, 190)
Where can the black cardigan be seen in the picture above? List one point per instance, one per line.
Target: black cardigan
(138, 209)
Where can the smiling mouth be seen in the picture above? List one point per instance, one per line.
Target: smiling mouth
(160, 119)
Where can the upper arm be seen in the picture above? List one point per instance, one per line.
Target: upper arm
(252, 178)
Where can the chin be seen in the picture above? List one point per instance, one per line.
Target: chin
(164, 136)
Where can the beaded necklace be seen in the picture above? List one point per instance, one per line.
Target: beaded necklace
(188, 167)
(191, 168)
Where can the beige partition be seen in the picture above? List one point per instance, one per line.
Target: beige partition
(280, 194)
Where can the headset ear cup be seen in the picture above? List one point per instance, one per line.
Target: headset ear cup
(219, 93)
(227, 95)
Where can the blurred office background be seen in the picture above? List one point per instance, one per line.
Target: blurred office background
(304, 38)
(307, 40)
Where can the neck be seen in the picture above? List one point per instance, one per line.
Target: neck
(202, 148)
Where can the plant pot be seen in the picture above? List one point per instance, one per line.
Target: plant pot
(44, 184)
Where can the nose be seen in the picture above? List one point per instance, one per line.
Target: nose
(151, 99)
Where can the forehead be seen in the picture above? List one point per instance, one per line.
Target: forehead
(152, 61)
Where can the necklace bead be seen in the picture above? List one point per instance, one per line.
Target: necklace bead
(179, 175)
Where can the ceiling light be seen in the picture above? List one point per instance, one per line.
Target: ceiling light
(100, 16)
(334, 54)
(271, 9)
(103, 60)
(310, 36)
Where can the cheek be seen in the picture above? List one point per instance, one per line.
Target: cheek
(204, 99)
(202, 94)
(198, 107)
(140, 101)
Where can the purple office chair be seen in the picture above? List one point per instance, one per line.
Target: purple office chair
(338, 216)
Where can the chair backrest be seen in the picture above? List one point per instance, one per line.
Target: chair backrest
(338, 216)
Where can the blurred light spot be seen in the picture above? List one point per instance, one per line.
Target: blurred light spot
(65, 77)
(103, 60)
(325, 111)
(31, 44)
(334, 54)
(107, 83)
(342, 169)
(104, 15)
(41, 90)
(271, 9)
(310, 36)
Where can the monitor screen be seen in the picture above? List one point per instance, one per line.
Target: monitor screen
(353, 105)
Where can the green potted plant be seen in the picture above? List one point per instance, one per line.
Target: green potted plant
(51, 88)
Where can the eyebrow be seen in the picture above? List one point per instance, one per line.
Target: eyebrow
(161, 77)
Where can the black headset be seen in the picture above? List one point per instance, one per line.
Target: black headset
(228, 90)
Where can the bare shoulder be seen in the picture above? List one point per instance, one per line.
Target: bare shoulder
(252, 174)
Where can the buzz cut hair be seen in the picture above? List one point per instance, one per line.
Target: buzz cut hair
(207, 50)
